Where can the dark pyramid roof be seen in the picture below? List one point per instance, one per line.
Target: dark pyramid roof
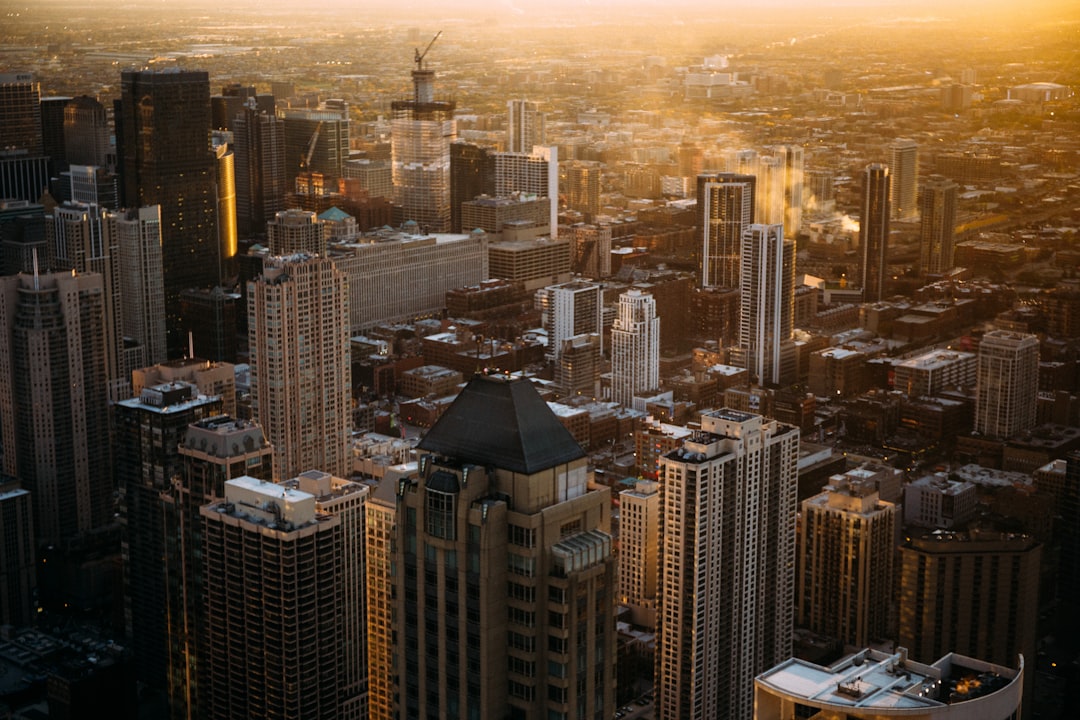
(505, 424)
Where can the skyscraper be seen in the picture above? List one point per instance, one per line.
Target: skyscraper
(635, 347)
(273, 581)
(86, 132)
(296, 231)
(535, 172)
(213, 451)
(421, 132)
(727, 564)
(1006, 384)
(792, 156)
(570, 309)
(298, 335)
(582, 187)
(149, 431)
(228, 240)
(163, 143)
(639, 536)
(472, 173)
(874, 231)
(937, 225)
(54, 402)
(316, 141)
(846, 547)
(142, 286)
(524, 126)
(505, 579)
(23, 166)
(725, 208)
(904, 168)
(767, 298)
(259, 148)
(769, 192)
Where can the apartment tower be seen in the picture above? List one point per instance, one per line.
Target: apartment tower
(937, 225)
(1006, 383)
(635, 347)
(725, 204)
(767, 298)
(904, 168)
(874, 231)
(524, 126)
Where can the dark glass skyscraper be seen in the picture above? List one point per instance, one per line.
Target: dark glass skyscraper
(725, 207)
(163, 142)
(874, 230)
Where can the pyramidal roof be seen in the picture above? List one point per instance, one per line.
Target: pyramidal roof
(505, 424)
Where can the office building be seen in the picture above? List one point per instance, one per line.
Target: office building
(399, 277)
(767, 300)
(259, 153)
(298, 338)
(904, 171)
(590, 249)
(213, 451)
(316, 141)
(937, 225)
(54, 402)
(373, 175)
(581, 185)
(212, 379)
(975, 591)
(212, 320)
(163, 147)
(22, 176)
(296, 231)
(269, 547)
(142, 287)
(936, 501)
(533, 172)
(1068, 590)
(90, 185)
(635, 347)
(533, 261)
(472, 174)
(504, 591)
(20, 116)
(51, 110)
(524, 126)
(577, 369)
(228, 239)
(725, 209)
(18, 555)
(874, 232)
(639, 552)
(149, 431)
(421, 132)
(845, 562)
(86, 133)
(491, 214)
(727, 564)
(1007, 383)
(874, 685)
(570, 309)
(931, 372)
(769, 190)
(379, 533)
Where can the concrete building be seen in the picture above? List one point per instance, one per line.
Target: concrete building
(767, 299)
(210, 378)
(298, 337)
(259, 148)
(571, 309)
(846, 548)
(577, 370)
(937, 501)
(931, 372)
(504, 587)
(725, 204)
(727, 564)
(1007, 383)
(937, 225)
(874, 231)
(296, 231)
(838, 372)
(639, 552)
(635, 347)
(491, 213)
(904, 171)
(872, 685)
(524, 125)
(534, 261)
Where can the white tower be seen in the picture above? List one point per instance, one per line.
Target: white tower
(635, 347)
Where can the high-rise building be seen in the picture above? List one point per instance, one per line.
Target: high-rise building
(845, 562)
(212, 318)
(472, 173)
(904, 170)
(725, 209)
(792, 155)
(52, 132)
(591, 249)
(316, 141)
(142, 289)
(524, 126)
(213, 451)
(582, 186)
(1006, 384)
(577, 370)
(769, 191)
(741, 162)
(91, 185)
(212, 379)
(570, 309)
(163, 144)
(150, 429)
(534, 172)
(727, 564)
(639, 552)
(937, 224)
(975, 591)
(18, 555)
(259, 148)
(421, 132)
(86, 132)
(22, 234)
(767, 298)
(874, 231)
(298, 337)
(635, 347)
(296, 231)
(228, 240)
(504, 590)
(273, 584)
(53, 400)
(20, 116)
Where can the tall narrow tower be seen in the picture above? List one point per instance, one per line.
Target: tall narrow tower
(937, 226)
(1007, 383)
(904, 165)
(298, 330)
(635, 347)
(874, 230)
(259, 147)
(767, 297)
(725, 207)
(570, 309)
(524, 126)
(420, 135)
(727, 564)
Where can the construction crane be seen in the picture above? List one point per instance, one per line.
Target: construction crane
(306, 161)
(419, 59)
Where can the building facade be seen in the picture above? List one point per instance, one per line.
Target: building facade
(635, 347)
(725, 209)
(937, 225)
(767, 300)
(874, 231)
(639, 551)
(1007, 383)
(904, 171)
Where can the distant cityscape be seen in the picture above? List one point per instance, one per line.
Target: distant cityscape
(400, 364)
